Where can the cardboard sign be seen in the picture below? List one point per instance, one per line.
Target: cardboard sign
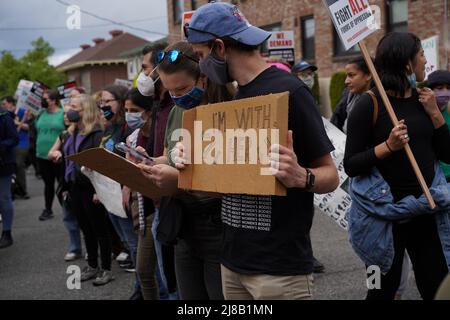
(337, 203)
(187, 16)
(353, 20)
(117, 168)
(225, 164)
(33, 101)
(431, 49)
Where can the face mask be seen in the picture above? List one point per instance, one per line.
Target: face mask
(44, 104)
(412, 79)
(134, 120)
(107, 112)
(146, 85)
(190, 100)
(442, 98)
(73, 116)
(216, 70)
(309, 81)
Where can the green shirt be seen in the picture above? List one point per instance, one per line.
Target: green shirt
(48, 126)
(446, 167)
(174, 121)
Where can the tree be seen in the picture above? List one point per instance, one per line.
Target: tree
(32, 66)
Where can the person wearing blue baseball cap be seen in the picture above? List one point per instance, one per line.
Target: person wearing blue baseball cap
(305, 72)
(271, 259)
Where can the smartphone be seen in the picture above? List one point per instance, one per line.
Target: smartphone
(122, 147)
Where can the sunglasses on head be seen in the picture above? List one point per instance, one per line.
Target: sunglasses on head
(173, 56)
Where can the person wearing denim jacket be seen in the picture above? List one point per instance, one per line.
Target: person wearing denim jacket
(374, 142)
(373, 212)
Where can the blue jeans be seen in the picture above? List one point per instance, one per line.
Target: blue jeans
(125, 230)
(71, 223)
(6, 204)
(163, 291)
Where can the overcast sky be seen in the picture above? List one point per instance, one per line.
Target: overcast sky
(22, 21)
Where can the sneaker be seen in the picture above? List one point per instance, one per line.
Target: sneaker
(122, 257)
(89, 273)
(72, 256)
(126, 264)
(6, 240)
(130, 269)
(25, 196)
(46, 215)
(103, 277)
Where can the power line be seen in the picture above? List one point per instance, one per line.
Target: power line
(84, 27)
(112, 21)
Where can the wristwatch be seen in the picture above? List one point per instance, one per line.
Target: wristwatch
(310, 179)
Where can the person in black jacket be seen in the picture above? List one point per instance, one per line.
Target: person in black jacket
(9, 139)
(85, 133)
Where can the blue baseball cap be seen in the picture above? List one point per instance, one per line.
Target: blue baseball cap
(220, 19)
(303, 65)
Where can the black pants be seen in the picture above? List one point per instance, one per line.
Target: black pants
(50, 172)
(94, 223)
(421, 239)
(197, 257)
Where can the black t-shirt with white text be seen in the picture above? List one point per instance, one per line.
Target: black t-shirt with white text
(270, 234)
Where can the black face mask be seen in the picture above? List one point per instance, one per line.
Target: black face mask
(44, 104)
(107, 112)
(73, 116)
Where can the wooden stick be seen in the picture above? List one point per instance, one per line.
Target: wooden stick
(394, 120)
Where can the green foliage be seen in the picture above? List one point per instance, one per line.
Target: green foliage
(32, 66)
(337, 86)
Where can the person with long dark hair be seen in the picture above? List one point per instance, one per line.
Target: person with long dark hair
(357, 82)
(373, 142)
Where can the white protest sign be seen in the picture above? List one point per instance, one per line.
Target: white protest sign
(124, 83)
(33, 100)
(282, 45)
(431, 49)
(109, 192)
(281, 40)
(22, 92)
(353, 19)
(337, 203)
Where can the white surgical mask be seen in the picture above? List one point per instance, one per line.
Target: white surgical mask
(134, 120)
(145, 84)
(309, 81)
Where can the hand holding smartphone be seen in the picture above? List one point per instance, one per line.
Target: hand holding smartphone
(138, 156)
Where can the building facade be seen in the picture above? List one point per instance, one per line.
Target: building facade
(315, 38)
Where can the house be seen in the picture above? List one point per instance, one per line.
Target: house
(99, 65)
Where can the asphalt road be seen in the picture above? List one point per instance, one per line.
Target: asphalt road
(33, 268)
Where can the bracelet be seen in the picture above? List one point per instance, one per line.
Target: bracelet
(387, 145)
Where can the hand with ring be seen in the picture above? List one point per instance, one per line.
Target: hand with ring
(399, 137)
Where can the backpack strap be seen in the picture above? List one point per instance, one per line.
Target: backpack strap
(375, 106)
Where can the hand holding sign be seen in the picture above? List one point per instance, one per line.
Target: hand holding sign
(284, 165)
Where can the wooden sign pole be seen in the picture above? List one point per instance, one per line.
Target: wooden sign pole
(394, 120)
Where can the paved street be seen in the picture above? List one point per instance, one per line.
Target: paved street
(33, 268)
